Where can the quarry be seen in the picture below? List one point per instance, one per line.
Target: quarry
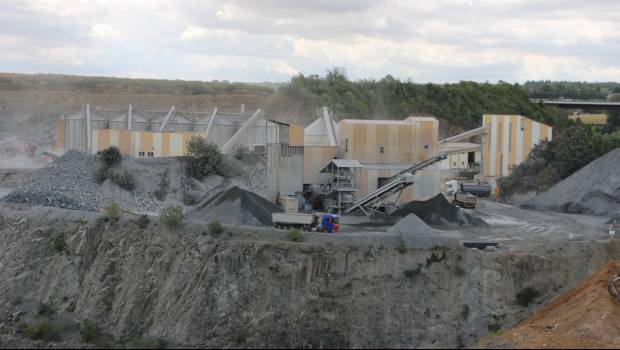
(403, 264)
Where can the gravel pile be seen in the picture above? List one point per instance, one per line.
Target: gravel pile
(594, 189)
(411, 225)
(66, 183)
(236, 206)
(437, 211)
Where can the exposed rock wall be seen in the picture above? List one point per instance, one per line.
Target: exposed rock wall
(258, 290)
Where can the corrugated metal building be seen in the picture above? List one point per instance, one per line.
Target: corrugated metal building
(383, 147)
(142, 143)
(508, 142)
(387, 147)
(284, 170)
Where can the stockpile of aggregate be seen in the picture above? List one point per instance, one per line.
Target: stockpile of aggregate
(585, 317)
(66, 183)
(594, 189)
(437, 211)
(236, 206)
(411, 225)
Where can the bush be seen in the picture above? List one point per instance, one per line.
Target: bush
(172, 216)
(149, 343)
(143, 221)
(44, 330)
(162, 192)
(112, 212)
(47, 310)
(59, 243)
(526, 296)
(215, 228)
(110, 156)
(124, 179)
(203, 159)
(90, 331)
(295, 236)
(401, 246)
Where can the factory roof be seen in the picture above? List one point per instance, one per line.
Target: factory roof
(341, 163)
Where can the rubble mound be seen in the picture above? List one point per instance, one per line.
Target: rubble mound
(236, 206)
(585, 317)
(411, 225)
(437, 211)
(66, 183)
(594, 189)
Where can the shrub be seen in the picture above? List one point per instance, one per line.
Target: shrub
(143, 221)
(90, 331)
(172, 216)
(124, 179)
(526, 296)
(295, 236)
(188, 198)
(162, 191)
(149, 343)
(203, 159)
(101, 174)
(59, 243)
(215, 228)
(112, 212)
(44, 330)
(401, 246)
(110, 156)
(47, 310)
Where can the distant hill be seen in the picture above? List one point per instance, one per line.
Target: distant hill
(31, 99)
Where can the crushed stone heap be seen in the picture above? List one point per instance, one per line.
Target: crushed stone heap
(66, 183)
(437, 211)
(237, 207)
(585, 317)
(411, 225)
(594, 189)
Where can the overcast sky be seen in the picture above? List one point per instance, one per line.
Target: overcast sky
(271, 40)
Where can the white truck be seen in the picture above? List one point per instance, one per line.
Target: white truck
(306, 222)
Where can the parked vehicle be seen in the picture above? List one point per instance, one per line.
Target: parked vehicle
(307, 222)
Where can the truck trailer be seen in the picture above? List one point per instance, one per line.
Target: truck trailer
(307, 222)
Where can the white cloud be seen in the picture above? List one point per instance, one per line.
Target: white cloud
(441, 40)
(105, 32)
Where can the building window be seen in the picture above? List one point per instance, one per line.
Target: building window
(151, 154)
(381, 149)
(140, 154)
(426, 147)
(453, 163)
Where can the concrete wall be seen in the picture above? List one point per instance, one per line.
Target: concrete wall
(508, 142)
(285, 166)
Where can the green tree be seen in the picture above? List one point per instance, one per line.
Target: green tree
(573, 149)
(203, 159)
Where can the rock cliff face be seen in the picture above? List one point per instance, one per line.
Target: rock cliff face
(258, 290)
